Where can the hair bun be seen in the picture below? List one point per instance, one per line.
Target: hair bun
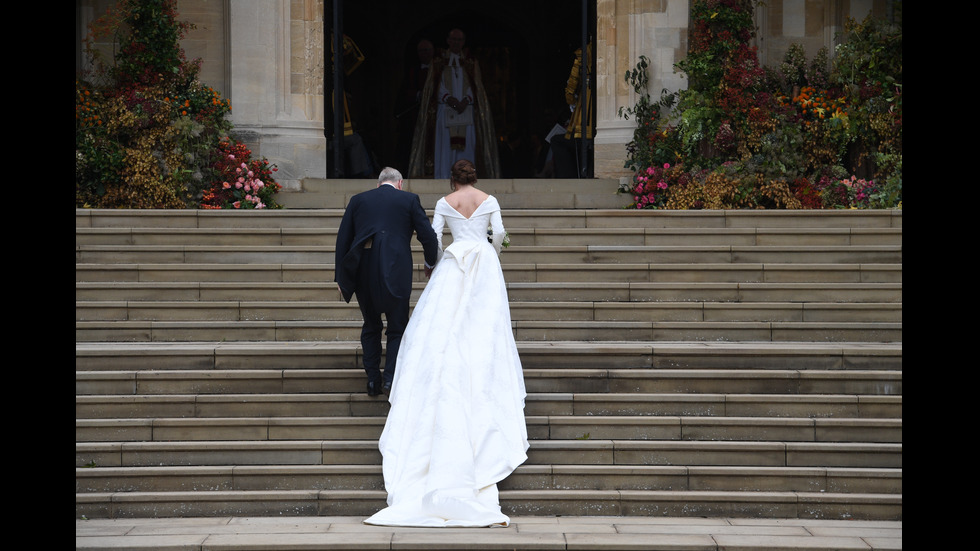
(463, 172)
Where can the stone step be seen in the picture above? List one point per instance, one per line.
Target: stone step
(526, 477)
(516, 217)
(636, 331)
(838, 407)
(559, 427)
(513, 503)
(541, 452)
(705, 363)
(581, 310)
(615, 277)
(555, 254)
(541, 355)
(634, 380)
(542, 237)
(511, 193)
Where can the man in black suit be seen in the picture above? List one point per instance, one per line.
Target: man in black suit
(374, 262)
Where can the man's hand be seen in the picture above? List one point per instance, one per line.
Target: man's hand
(428, 271)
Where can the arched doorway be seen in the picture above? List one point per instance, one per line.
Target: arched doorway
(525, 49)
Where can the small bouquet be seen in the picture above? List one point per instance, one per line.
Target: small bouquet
(505, 242)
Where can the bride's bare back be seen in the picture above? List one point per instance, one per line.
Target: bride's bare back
(466, 199)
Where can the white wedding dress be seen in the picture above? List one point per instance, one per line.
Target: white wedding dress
(456, 424)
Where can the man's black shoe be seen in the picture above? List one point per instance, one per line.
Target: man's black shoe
(386, 388)
(373, 388)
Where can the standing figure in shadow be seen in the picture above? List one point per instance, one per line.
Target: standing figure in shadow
(570, 161)
(455, 120)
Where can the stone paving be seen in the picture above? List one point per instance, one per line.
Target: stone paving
(546, 533)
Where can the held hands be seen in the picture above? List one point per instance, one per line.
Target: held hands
(428, 271)
(458, 105)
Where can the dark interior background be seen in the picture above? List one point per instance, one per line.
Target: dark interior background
(525, 48)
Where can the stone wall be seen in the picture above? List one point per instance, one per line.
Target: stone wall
(276, 66)
(656, 29)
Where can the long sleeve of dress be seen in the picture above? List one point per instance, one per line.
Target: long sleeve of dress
(438, 223)
(497, 224)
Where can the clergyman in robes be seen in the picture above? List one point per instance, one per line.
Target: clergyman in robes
(456, 120)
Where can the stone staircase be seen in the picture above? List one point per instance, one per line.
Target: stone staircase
(695, 363)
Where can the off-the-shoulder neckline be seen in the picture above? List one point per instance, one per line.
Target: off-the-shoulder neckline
(474, 212)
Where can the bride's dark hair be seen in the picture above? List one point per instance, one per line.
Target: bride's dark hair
(463, 172)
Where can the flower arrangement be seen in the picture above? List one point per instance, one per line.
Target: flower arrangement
(816, 104)
(148, 133)
(819, 134)
(650, 188)
(851, 192)
(505, 243)
(241, 182)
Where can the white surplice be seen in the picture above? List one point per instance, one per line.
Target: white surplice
(456, 425)
(459, 87)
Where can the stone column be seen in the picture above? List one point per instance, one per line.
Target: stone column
(276, 57)
(627, 29)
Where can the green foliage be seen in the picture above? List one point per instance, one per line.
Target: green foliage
(868, 69)
(147, 131)
(719, 28)
(653, 143)
(805, 134)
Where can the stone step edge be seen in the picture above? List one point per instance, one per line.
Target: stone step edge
(599, 305)
(552, 304)
(580, 503)
(640, 428)
(840, 480)
(644, 331)
(701, 266)
(843, 356)
(569, 452)
(538, 249)
(376, 498)
(543, 347)
(259, 374)
(528, 230)
(299, 310)
(226, 495)
(578, 397)
(585, 469)
(517, 324)
(679, 421)
(84, 217)
(530, 237)
(535, 445)
(679, 477)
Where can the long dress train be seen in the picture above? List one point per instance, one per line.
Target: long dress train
(456, 424)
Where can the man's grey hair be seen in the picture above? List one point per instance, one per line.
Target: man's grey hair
(389, 175)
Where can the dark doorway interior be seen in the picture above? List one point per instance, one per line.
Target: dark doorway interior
(525, 49)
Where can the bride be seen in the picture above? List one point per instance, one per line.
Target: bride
(456, 424)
